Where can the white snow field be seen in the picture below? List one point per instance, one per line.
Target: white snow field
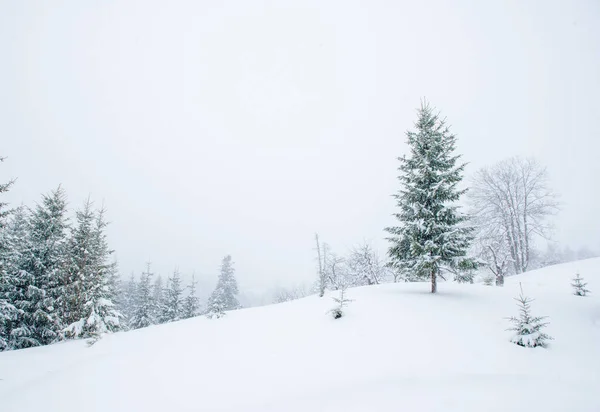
(399, 348)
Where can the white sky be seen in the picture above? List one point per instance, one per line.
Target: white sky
(244, 127)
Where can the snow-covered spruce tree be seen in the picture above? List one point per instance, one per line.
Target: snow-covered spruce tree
(95, 274)
(15, 283)
(341, 302)
(143, 315)
(173, 303)
(79, 267)
(42, 271)
(158, 299)
(128, 300)
(191, 304)
(579, 287)
(223, 297)
(528, 329)
(8, 312)
(432, 236)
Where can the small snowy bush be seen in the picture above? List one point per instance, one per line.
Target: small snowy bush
(488, 280)
(579, 286)
(527, 328)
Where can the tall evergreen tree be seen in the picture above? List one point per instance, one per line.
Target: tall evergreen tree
(173, 306)
(143, 315)
(8, 312)
(128, 300)
(79, 268)
(223, 297)
(158, 299)
(431, 236)
(43, 270)
(95, 274)
(191, 304)
(15, 284)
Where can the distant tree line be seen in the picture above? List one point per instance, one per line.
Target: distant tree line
(59, 281)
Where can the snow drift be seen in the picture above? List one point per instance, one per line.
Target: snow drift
(398, 348)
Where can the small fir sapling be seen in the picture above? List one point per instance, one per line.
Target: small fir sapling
(579, 286)
(527, 328)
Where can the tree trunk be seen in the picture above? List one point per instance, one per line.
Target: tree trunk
(433, 281)
(321, 282)
(500, 279)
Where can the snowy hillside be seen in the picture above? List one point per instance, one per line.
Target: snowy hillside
(399, 348)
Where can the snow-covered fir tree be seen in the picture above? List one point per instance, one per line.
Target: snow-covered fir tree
(143, 314)
(80, 267)
(42, 272)
(224, 297)
(158, 299)
(191, 304)
(341, 302)
(432, 235)
(528, 329)
(173, 299)
(95, 275)
(579, 286)
(17, 332)
(128, 300)
(8, 312)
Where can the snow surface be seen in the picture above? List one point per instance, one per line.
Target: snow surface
(398, 348)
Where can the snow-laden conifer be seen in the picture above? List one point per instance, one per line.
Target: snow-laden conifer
(128, 300)
(224, 297)
(94, 307)
(143, 315)
(432, 235)
(191, 304)
(579, 286)
(17, 333)
(527, 328)
(8, 312)
(341, 301)
(158, 299)
(173, 299)
(42, 272)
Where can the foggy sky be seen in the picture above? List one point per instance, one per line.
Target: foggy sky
(243, 127)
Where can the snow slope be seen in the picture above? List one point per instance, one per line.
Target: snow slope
(398, 349)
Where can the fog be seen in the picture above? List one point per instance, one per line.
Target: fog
(209, 128)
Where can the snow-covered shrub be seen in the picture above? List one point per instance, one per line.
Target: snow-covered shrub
(579, 286)
(488, 280)
(527, 328)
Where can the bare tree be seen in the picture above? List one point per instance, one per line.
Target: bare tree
(511, 205)
(365, 266)
(335, 271)
(497, 257)
(286, 294)
(322, 278)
